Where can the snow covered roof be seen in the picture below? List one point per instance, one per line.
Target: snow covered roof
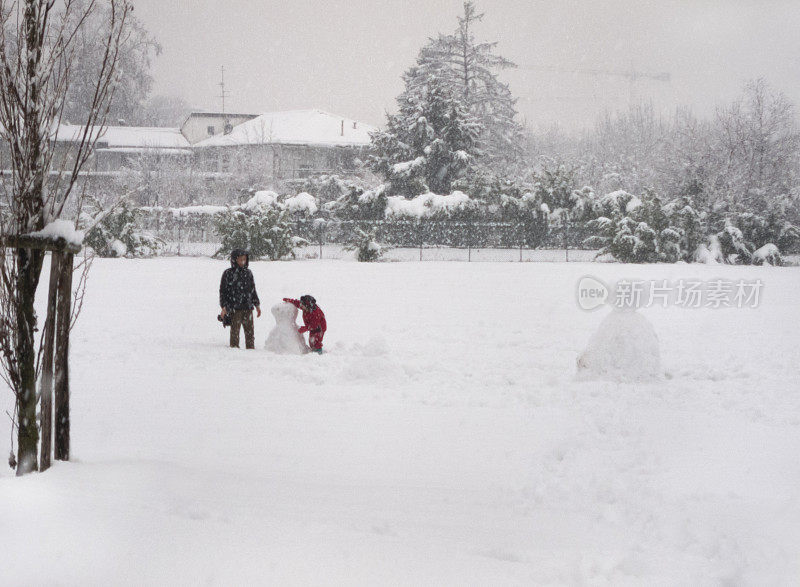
(129, 137)
(210, 114)
(295, 127)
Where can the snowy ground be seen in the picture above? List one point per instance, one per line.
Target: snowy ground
(442, 439)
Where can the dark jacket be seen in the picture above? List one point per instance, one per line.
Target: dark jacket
(237, 289)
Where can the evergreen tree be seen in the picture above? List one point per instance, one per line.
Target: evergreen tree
(428, 144)
(469, 69)
(689, 226)
(455, 117)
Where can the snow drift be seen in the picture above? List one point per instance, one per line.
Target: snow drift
(624, 348)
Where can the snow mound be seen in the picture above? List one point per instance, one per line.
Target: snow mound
(119, 248)
(261, 199)
(709, 256)
(61, 229)
(284, 338)
(302, 202)
(632, 204)
(624, 348)
(425, 205)
(768, 255)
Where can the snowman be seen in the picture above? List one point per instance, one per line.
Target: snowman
(284, 338)
(624, 348)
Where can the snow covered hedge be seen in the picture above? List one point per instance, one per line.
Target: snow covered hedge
(117, 232)
(546, 212)
(643, 230)
(261, 225)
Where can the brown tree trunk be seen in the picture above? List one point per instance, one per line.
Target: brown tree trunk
(30, 266)
(64, 311)
(46, 385)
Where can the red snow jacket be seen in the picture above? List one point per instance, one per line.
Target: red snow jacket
(314, 323)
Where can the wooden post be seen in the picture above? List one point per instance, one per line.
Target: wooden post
(64, 250)
(46, 387)
(64, 313)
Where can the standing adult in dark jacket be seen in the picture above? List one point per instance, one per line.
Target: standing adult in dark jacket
(238, 297)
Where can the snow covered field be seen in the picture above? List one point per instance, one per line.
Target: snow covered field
(442, 439)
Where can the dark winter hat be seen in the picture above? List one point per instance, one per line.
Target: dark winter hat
(236, 253)
(308, 300)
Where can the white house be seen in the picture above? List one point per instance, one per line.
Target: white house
(287, 145)
(274, 146)
(201, 125)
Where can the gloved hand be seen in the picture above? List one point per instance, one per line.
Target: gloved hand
(287, 299)
(302, 329)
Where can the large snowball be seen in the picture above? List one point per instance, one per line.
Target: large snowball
(624, 348)
(284, 338)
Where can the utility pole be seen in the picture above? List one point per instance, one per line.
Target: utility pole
(223, 93)
(226, 125)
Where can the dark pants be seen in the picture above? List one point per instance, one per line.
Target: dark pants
(244, 318)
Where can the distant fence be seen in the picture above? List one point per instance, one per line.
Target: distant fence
(193, 234)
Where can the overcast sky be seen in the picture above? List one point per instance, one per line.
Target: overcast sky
(347, 56)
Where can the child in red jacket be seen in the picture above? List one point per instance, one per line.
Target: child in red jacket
(313, 320)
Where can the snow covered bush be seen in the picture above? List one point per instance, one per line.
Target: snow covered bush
(484, 185)
(366, 247)
(556, 187)
(360, 204)
(736, 236)
(637, 230)
(688, 226)
(768, 255)
(303, 204)
(259, 227)
(530, 215)
(117, 232)
(614, 204)
(769, 227)
(732, 245)
(328, 188)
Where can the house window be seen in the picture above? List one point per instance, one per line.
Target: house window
(210, 130)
